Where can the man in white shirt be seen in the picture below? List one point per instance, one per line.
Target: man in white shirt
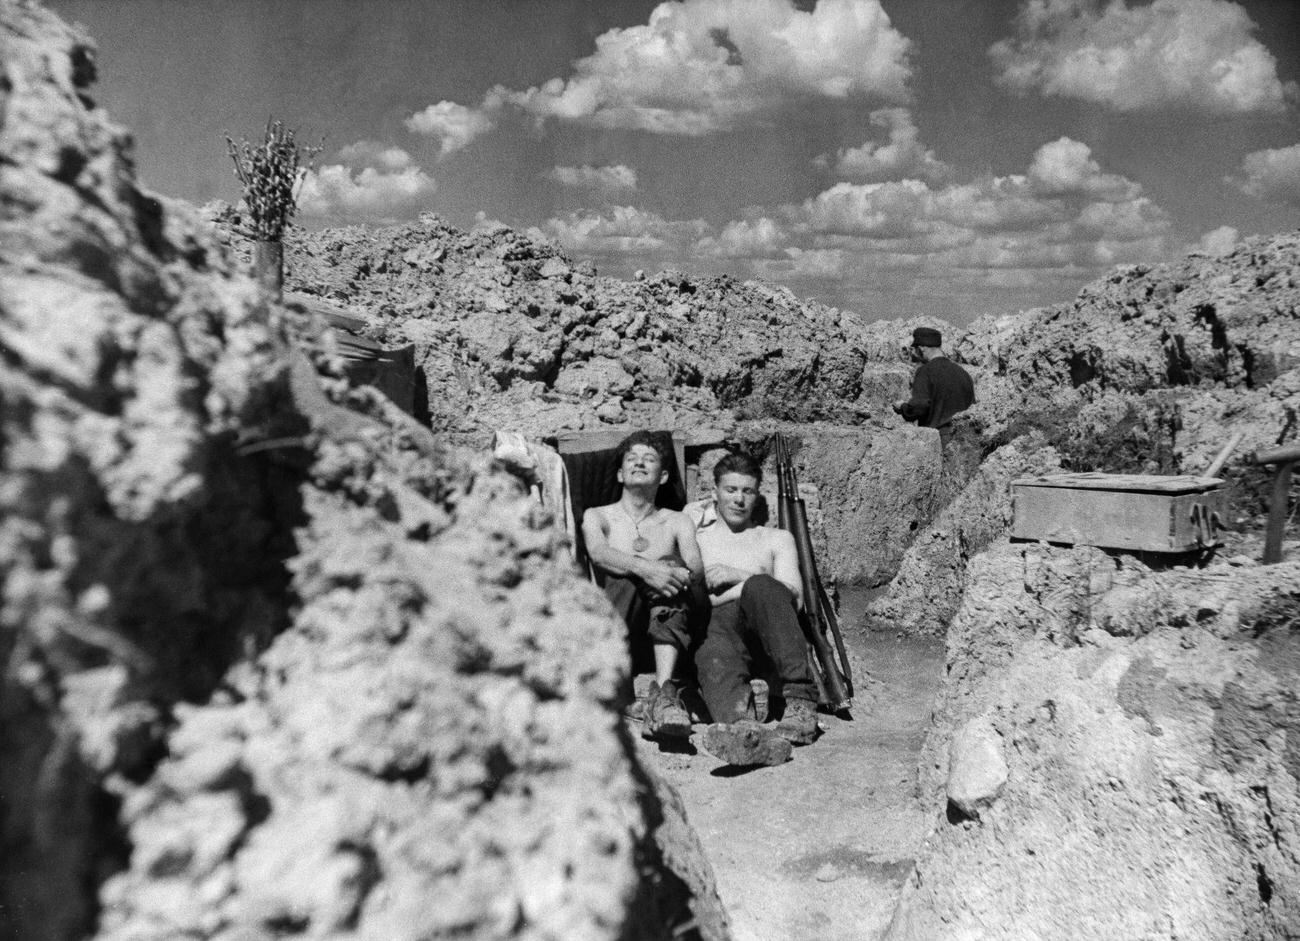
(752, 574)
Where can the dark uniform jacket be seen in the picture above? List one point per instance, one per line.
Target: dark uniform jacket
(940, 389)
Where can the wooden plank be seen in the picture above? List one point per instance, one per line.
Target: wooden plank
(335, 315)
(1290, 452)
(581, 442)
(1277, 513)
(1137, 483)
(700, 437)
(578, 442)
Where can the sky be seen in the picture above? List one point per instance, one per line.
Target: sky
(894, 158)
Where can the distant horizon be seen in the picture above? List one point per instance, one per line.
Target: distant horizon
(890, 158)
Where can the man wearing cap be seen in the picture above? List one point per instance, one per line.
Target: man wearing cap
(940, 388)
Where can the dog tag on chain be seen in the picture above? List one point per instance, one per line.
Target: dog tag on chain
(640, 544)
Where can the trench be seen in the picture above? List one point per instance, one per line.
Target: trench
(818, 849)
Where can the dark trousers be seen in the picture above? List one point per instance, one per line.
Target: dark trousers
(663, 623)
(763, 619)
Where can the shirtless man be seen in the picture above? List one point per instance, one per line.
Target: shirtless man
(753, 579)
(653, 573)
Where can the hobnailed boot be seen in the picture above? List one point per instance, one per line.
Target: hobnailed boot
(665, 716)
(745, 744)
(799, 723)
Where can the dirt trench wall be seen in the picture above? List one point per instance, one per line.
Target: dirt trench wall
(1153, 368)
(1149, 370)
(431, 750)
(1114, 750)
(513, 335)
(274, 661)
(1115, 754)
(930, 583)
(138, 555)
(871, 488)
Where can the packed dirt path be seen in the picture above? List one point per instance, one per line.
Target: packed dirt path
(818, 848)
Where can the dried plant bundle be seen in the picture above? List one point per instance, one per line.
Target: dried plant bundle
(271, 173)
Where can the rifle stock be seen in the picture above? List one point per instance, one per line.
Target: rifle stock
(837, 695)
(834, 686)
(833, 622)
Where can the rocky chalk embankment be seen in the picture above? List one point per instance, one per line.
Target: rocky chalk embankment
(275, 660)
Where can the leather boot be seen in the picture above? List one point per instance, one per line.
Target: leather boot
(665, 716)
(799, 723)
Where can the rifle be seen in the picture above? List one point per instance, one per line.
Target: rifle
(834, 681)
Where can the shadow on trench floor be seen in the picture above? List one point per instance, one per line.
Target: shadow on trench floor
(818, 849)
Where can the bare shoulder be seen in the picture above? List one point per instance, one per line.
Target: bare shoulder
(596, 514)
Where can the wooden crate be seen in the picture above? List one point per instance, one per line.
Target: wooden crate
(1120, 511)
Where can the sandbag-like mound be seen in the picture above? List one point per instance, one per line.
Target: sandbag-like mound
(276, 661)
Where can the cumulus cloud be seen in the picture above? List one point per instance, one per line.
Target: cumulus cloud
(368, 153)
(1272, 175)
(1066, 167)
(904, 154)
(816, 262)
(872, 210)
(485, 223)
(1063, 219)
(610, 179)
(1065, 210)
(370, 193)
(453, 126)
(700, 66)
(746, 238)
(1198, 54)
(1218, 241)
(621, 230)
